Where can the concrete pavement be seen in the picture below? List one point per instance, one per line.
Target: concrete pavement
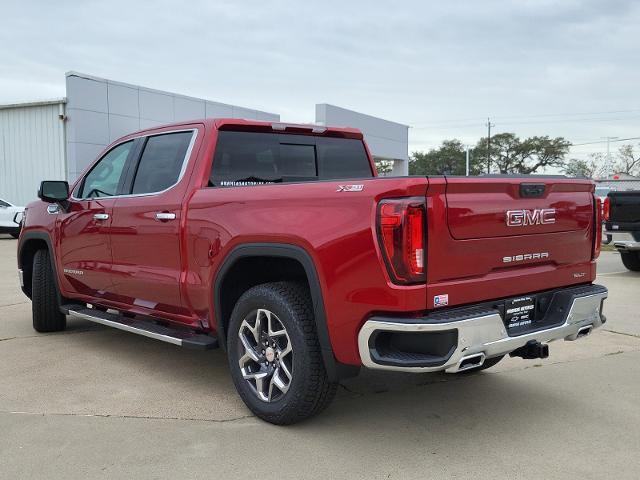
(92, 402)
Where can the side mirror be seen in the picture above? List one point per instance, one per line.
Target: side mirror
(53, 191)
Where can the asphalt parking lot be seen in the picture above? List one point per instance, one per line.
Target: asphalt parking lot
(93, 402)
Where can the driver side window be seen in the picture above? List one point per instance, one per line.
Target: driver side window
(104, 177)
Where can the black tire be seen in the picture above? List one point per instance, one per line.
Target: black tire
(631, 260)
(309, 391)
(45, 296)
(488, 363)
(15, 233)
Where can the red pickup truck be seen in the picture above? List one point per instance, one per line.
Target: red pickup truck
(280, 244)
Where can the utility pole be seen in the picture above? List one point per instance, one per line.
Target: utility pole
(467, 169)
(608, 157)
(489, 125)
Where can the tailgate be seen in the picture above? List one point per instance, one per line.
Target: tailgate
(506, 236)
(500, 207)
(624, 207)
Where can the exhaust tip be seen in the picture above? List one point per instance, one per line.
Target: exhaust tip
(471, 361)
(584, 331)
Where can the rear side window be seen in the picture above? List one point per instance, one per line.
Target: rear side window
(247, 158)
(161, 162)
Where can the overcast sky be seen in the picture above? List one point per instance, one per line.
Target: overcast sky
(536, 67)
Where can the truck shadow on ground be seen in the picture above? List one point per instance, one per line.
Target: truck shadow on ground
(163, 377)
(620, 274)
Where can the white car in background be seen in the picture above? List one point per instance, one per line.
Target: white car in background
(10, 218)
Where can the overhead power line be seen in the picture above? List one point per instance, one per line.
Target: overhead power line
(533, 122)
(611, 140)
(504, 117)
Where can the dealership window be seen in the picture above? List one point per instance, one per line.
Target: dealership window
(248, 158)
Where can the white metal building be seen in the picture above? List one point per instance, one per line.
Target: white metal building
(32, 148)
(619, 182)
(100, 111)
(57, 139)
(387, 140)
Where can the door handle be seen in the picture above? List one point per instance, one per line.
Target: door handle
(165, 216)
(101, 216)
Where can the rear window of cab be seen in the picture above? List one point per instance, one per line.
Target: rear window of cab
(249, 158)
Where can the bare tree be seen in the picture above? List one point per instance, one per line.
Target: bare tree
(627, 160)
(593, 167)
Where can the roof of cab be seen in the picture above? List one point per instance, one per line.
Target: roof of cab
(240, 124)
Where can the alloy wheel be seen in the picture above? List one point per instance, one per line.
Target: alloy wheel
(265, 355)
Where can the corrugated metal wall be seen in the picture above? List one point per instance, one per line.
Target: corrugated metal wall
(32, 148)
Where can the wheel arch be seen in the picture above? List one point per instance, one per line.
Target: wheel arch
(288, 253)
(30, 243)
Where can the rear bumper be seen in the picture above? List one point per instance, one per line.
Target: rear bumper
(627, 246)
(617, 227)
(449, 340)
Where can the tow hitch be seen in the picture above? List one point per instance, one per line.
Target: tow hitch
(533, 349)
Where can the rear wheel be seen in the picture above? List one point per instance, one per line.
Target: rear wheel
(274, 354)
(488, 363)
(45, 303)
(15, 233)
(631, 260)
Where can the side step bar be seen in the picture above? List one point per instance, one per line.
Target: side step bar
(148, 328)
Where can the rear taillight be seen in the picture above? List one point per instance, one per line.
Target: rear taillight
(597, 241)
(606, 209)
(401, 234)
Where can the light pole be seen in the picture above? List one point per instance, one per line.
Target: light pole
(467, 168)
(489, 125)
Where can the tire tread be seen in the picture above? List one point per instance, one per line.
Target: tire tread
(44, 302)
(319, 391)
(631, 260)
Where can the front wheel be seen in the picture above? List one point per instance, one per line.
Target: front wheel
(45, 303)
(631, 260)
(274, 354)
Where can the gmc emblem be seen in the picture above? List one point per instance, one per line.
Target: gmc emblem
(538, 216)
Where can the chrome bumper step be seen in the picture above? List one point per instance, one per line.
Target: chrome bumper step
(145, 327)
(472, 334)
